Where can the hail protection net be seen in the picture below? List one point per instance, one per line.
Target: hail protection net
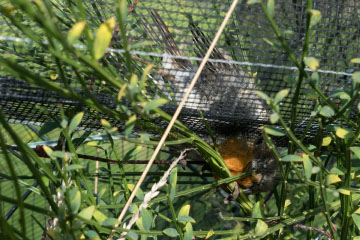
(174, 36)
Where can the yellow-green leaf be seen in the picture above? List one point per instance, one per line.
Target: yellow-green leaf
(307, 166)
(326, 141)
(75, 31)
(344, 191)
(274, 118)
(332, 178)
(355, 60)
(281, 95)
(99, 216)
(356, 150)
(343, 133)
(271, 7)
(103, 37)
(356, 77)
(184, 211)
(315, 17)
(75, 121)
(312, 63)
(249, 2)
(261, 228)
(87, 213)
(327, 111)
(209, 234)
(274, 131)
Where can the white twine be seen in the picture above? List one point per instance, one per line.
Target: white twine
(189, 58)
(152, 193)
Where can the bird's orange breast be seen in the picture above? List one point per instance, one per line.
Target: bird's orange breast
(237, 154)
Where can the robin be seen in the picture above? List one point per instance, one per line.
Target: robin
(242, 154)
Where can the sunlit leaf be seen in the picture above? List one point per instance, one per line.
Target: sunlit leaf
(139, 194)
(261, 228)
(99, 216)
(344, 191)
(87, 213)
(326, 111)
(274, 118)
(356, 77)
(103, 37)
(209, 234)
(312, 63)
(73, 167)
(75, 121)
(281, 95)
(356, 219)
(249, 2)
(326, 141)
(256, 211)
(355, 60)
(343, 133)
(75, 31)
(332, 178)
(338, 170)
(315, 17)
(184, 211)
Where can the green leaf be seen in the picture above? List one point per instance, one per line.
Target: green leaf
(332, 178)
(356, 77)
(132, 236)
(99, 216)
(188, 235)
(75, 32)
(75, 199)
(315, 17)
(307, 166)
(261, 228)
(49, 152)
(132, 152)
(103, 37)
(326, 111)
(145, 75)
(292, 158)
(209, 234)
(274, 118)
(356, 219)
(256, 211)
(146, 217)
(249, 2)
(129, 125)
(281, 95)
(87, 213)
(312, 63)
(92, 235)
(154, 104)
(271, 7)
(73, 167)
(343, 133)
(338, 170)
(171, 232)
(262, 95)
(185, 219)
(355, 60)
(326, 141)
(75, 121)
(109, 222)
(274, 131)
(356, 151)
(184, 211)
(172, 183)
(344, 191)
(47, 127)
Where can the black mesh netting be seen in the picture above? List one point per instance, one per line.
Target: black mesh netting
(247, 58)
